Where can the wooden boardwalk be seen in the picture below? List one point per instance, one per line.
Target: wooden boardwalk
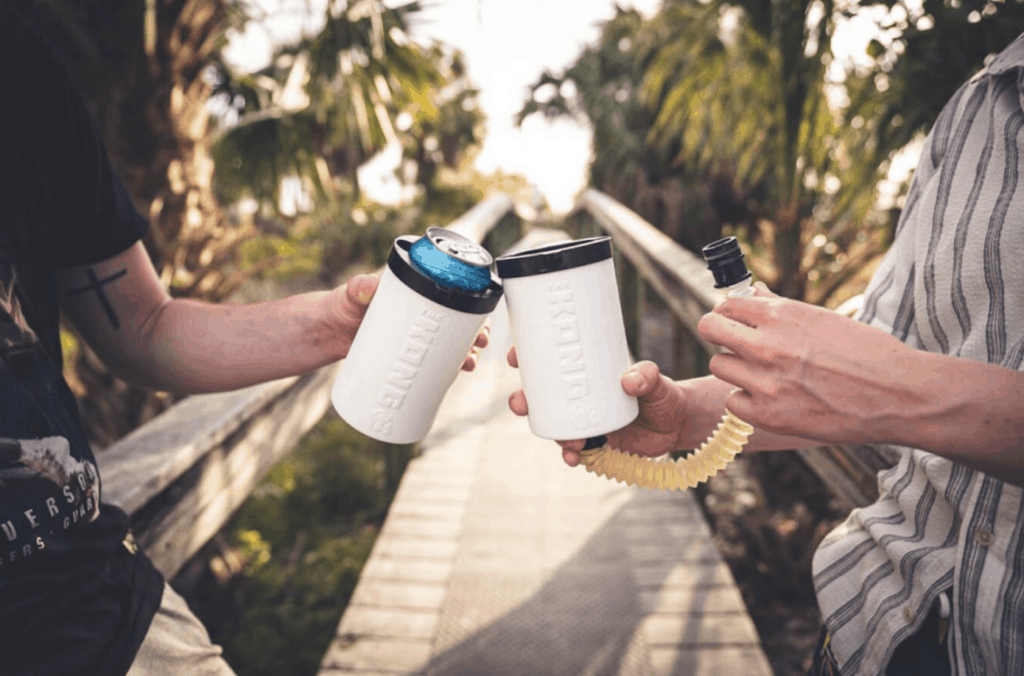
(497, 559)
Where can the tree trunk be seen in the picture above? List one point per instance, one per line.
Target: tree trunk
(788, 252)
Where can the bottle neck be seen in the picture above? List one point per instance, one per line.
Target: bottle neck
(740, 289)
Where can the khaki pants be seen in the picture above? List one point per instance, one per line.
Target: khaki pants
(177, 643)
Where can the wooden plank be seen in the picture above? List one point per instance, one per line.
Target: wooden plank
(687, 301)
(147, 461)
(175, 525)
(481, 219)
(850, 471)
(702, 661)
(686, 269)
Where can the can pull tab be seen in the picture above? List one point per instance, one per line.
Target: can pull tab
(460, 248)
(451, 260)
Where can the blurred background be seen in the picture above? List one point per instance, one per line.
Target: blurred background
(280, 145)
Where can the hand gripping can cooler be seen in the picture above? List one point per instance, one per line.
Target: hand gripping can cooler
(432, 301)
(566, 320)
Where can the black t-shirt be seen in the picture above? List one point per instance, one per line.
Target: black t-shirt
(73, 598)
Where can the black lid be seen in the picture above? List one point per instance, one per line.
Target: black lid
(463, 300)
(725, 260)
(554, 257)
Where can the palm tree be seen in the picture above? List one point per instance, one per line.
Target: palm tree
(753, 97)
(328, 103)
(756, 96)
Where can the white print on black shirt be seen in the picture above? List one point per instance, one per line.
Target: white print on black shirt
(76, 500)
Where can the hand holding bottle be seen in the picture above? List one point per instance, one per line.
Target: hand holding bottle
(806, 371)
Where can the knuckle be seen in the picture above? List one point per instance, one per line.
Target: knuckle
(781, 358)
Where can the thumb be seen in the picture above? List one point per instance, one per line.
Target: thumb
(761, 289)
(360, 288)
(644, 380)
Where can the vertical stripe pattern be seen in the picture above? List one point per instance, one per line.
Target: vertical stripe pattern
(952, 283)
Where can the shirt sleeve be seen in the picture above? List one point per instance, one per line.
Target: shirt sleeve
(889, 299)
(97, 217)
(94, 215)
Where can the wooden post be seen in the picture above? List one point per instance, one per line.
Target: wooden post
(689, 358)
(629, 297)
(396, 457)
(574, 223)
(581, 225)
(643, 292)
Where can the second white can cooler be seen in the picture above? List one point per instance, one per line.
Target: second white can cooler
(570, 339)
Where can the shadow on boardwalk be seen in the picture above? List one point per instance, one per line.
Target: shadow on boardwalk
(585, 619)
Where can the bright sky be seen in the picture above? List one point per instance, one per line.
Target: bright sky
(507, 43)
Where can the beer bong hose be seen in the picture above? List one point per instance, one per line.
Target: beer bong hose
(725, 260)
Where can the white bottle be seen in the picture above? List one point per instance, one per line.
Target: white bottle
(570, 339)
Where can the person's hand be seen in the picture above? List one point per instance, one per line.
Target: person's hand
(351, 306)
(806, 371)
(659, 428)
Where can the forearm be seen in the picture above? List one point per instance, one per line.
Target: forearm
(974, 415)
(964, 410)
(195, 347)
(705, 407)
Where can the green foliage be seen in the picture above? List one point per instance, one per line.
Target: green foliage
(360, 77)
(300, 255)
(254, 158)
(441, 135)
(447, 203)
(303, 536)
(360, 235)
(292, 615)
(740, 113)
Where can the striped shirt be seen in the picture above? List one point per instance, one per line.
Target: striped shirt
(952, 283)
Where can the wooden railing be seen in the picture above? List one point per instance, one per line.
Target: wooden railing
(183, 474)
(646, 258)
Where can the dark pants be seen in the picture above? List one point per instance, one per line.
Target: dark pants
(922, 654)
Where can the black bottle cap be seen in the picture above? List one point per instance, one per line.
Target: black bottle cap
(554, 257)
(725, 260)
(464, 300)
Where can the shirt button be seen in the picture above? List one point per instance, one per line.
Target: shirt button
(984, 537)
(908, 614)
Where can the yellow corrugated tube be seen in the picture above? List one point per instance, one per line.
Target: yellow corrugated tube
(718, 451)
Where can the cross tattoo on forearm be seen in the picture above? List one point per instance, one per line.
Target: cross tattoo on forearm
(96, 284)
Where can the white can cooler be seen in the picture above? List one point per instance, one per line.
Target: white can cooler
(570, 339)
(409, 349)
